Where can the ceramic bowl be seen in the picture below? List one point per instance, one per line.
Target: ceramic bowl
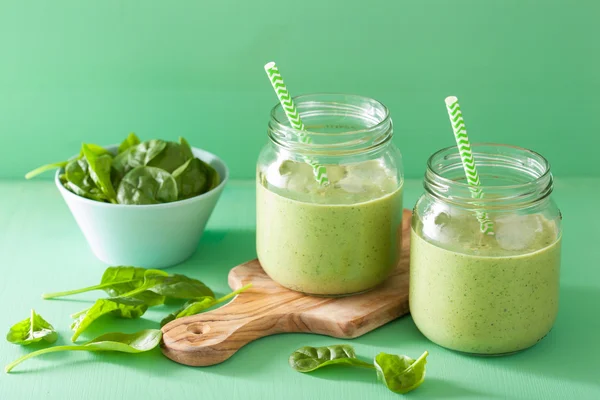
(149, 236)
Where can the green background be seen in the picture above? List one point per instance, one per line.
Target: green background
(526, 73)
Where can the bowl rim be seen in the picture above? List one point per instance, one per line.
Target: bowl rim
(204, 154)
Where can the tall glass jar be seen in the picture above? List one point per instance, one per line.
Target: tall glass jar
(337, 238)
(478, 293)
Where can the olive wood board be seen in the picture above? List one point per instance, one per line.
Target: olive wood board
(267, 308)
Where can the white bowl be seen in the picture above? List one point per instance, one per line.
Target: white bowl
(149, 236)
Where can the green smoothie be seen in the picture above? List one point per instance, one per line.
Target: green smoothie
(493, 296)
(333, 240)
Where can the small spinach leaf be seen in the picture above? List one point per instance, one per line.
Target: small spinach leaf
(400, 374)
(120, 307)
(307, 359)
(99, 170)
(122, 342)
(143, 153)
(130, 141)
(31, 330)
(147, 185)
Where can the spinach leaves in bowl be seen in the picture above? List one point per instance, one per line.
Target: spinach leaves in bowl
(150, 172)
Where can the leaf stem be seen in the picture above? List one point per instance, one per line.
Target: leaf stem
(18, 361)
(45, 168)
(232, 294)
(82, 290)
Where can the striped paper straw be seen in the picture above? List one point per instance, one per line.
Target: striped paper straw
(468, 162)
(293, 116)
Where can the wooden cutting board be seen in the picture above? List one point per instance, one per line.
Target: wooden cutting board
(267, 308)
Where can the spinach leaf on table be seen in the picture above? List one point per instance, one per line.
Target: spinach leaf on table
(172, 286)
(130, 141)
(120, 307)
(307, 359)
(122, 342)
(147, 185)
(400, 374)
(120, 280)
(31, 330)
(99, 169)
(197, 305)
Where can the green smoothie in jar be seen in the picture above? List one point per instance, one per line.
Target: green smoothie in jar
(479, 293)
(343, 237)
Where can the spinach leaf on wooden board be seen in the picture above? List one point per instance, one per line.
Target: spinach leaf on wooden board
(307, 359)
(172, 157)
(120, 280)
(147, 185)
(196, 306)
(99, 169)
(130, 141)
(31, 330)
(400, 374)
(120, 307)
(122, 342)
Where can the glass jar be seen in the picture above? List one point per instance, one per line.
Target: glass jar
(478, 293)
(337, 238)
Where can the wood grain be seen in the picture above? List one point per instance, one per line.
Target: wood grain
(268, 308)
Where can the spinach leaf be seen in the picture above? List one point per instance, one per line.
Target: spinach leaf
(143, 153)
(215, 179)
(99, 169)
(147, 185)
(120, 280)
(307, 359)
(172, 157)
(31, 330)
(120, 307)
(186, 148)
(122, 342)
(44, 168)
(172, 286)
(193, 178)
(198, 305)
(130, 141)
(401, 374)
(77, 179)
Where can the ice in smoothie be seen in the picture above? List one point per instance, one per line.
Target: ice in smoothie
(497, 295)
(336, 240)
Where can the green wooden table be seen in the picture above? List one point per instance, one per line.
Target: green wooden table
(41, 250)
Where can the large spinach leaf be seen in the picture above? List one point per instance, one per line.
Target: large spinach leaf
(31, 330)
(172, 286)
(193, 178)
(122, 342)
(172, 157)
(147, 185)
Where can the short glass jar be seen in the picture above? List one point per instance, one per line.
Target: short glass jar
(342, 237)
(478, 293)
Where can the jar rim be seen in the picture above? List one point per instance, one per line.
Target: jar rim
(309, 96)
(529, 169)
(450, 182)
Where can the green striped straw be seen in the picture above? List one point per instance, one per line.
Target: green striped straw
(468, 162)
(293, 116)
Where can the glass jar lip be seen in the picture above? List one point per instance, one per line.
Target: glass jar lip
(304, 97)
(452, 183)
